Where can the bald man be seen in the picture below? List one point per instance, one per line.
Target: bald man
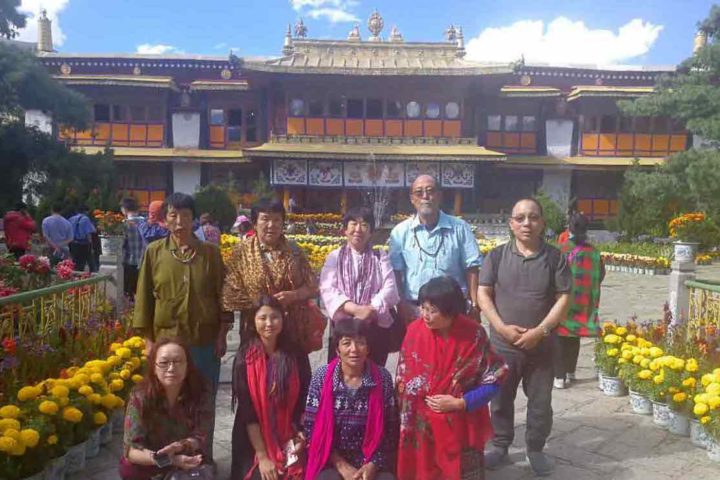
(432, 244)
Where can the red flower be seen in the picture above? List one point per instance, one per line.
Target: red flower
(9, 345)
(27, 262)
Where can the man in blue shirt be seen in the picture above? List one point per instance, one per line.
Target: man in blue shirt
(81, 246)
(432, 244)
(58, 233)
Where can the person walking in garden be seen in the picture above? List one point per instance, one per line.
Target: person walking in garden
(58, 233)
(432, 244)
(133, 245)
(19, 227)
(358, 282)
(588, 272)
(207, 232)
(154, 228)
(524, 294)
(81, 246)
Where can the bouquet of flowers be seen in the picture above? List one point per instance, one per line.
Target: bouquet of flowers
(694, 227)
(109, 223)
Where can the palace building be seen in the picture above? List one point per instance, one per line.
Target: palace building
(327, 121)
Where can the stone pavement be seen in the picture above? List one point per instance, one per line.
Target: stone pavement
(594, 437)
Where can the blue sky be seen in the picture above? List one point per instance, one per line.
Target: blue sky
(602, 32)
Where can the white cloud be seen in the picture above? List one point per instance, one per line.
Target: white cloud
(563, 42)
(32, 9)
(335, 11)
(156, 49)
(220, 46)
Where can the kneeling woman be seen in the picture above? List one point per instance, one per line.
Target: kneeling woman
(351, 416)
(447, 372)
(268, 394)
(169, 417)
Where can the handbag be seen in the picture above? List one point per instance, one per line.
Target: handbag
(311, 326)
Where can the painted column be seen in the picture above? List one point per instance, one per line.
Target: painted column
(343, 201)
(457, 207)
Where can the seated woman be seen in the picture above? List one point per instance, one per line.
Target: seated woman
(351, 416)
(168, 417)
(269, 394)
(358, 282)
(447, 372)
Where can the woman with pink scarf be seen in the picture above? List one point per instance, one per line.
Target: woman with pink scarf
(358, 282)
(350, 419)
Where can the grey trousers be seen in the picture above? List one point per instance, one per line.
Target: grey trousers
(535, 372)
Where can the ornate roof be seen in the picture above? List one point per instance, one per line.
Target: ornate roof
(118, 80)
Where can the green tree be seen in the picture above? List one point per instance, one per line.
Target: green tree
(214, 199)
(554, 217)
(10, 19)
(688, 180)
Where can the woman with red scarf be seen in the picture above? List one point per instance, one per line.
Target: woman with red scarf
(447, 373)
(269, 394)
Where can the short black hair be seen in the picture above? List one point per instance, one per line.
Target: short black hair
(445, 294)
(533, 200)
(579, 224)
(129, 203)
(179, 201)
(266, 206)
(359, 213)
(56, 208)
(83, 208)
(20, 206)
(349, 327)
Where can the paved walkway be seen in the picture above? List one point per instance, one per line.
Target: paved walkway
(594, 437)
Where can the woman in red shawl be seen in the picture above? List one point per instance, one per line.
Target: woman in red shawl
(269, 393)
(447, 373)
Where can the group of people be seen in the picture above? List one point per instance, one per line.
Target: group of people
(349, 419)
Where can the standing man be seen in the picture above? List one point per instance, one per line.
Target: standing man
(133, 245)
(432, 244)
(524, 294)
(81, 246)
(58, 233)
(19, 227)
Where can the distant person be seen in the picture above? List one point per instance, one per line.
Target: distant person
(154, 228)
(133, 246)
(19, 227)
(292, 205)
(81, 246)
(58, 234)
(207, 232)
(243, 227)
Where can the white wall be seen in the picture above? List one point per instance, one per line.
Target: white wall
(186, 177)
(556, 184)
(558, 134)
(36, 118)
(186, 129)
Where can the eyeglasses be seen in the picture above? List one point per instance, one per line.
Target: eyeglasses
(421, 192)
(533, 218)
(166, 364)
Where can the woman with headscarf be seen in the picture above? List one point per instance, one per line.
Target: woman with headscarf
(154, 227)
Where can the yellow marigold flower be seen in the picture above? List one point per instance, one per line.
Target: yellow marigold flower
(124, 352)
(613, 352)
(627, 355)
(658, 379)
(645, 352)
(108, 401)
(630, 338)
(611, 339)
(60, 391)
(707, 379)
(645, 362)
(654, 365)
(114, 375)
(97, 378)
(700, 409)
(137, 378)
(713, 388)
(95, 398)
(72, 414)
(100, 418)
(689, 382)
(52, 439)
(114, 360)
(73, 383)
(63, 401)
(30, 437)
(85, 390)
(115, 346)
(637, 359)
(18, 450)
(622, 361)
(12, 433)
(9, 424)
(48, 407)
(691, 365)
(9, 411)
(705, 420)
(621, 331)
(673, 390)
(117, 385)
(679, 397)
(7, 444)
(124, 374)
(655, 352)
(28, 393)
(136, 362)
(644, 374)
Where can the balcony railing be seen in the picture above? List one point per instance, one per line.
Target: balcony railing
(117, 134)
(631, 144)
(373, 127)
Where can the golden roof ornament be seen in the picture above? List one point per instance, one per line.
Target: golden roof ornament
(395, 35)
(45, 41)
(288, 43)
(354, 35)
(700, 41)
(460, 39)
(375, 25)
(451, 34)
(300, 29)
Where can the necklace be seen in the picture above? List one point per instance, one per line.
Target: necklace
(437, 250)
(184, 257)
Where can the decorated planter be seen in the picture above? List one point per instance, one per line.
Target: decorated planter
(106, 432)
(92, 446)
(685, 251)
(661, 414)
(600, 380)
(75, 459)
(698, 436)
(640, 404)
(679, 424)
(713, 450)
(613, 387)
(55, 469)
(111, 245)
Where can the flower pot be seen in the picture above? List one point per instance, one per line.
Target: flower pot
(698, 436)
(685, 251)
(661, 414)
(713, 450)
(111, 245)
(55, 469)
(613, 387)
(679, 424)
(75, 459)
(92, 446)
(106, 432)
(118, 422)
(640, 404)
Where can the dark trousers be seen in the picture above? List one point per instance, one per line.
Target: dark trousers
(130, 280)
(18, 252)
(565, 358)
(535, 372)
(80, 254)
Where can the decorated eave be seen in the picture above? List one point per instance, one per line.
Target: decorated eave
(591, 91)
(169, 154)
(118, 80)
(592, 75)
(582, 162)
(361, 148)
(520, 91)
(130, 62)
(219, 85)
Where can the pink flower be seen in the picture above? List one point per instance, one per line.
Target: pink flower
(65, 269)
(27, 262)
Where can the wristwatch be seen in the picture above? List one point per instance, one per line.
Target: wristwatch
(545, 330)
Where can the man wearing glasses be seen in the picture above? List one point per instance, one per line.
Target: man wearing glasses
(524, 294)
(432, 244)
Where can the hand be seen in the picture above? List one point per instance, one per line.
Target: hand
(529, 339)
(267, 468)
(445, 403)
(346, 471)
(364, 312)
(221, 344)
(286, 298)
(186, 462)
(172, 449)
(512, 333)
(366, 472)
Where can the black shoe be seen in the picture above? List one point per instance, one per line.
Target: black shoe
(540, 463)
(496, 457)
